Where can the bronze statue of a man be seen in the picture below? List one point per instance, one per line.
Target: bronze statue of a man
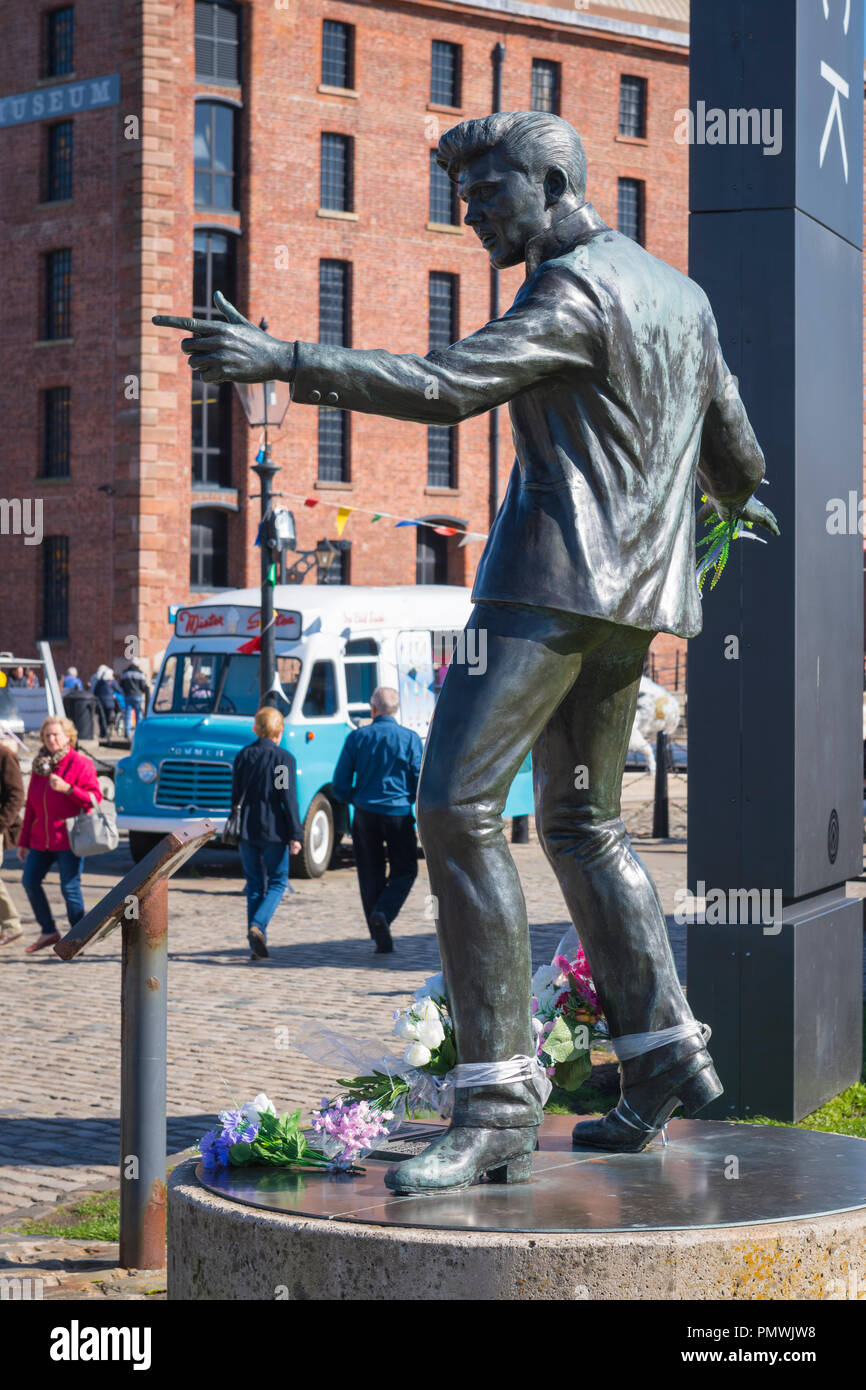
(610, 365)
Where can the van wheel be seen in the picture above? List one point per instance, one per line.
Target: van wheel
(141, 843)
(318, 840)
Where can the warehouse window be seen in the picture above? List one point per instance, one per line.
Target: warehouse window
(431, 557)
(59, 54)
(338, 54)
(208, 549)
(55, 432)
(58, 161)
(57, 319)
(442, 321)
(445, 74)
(443, 195)
(338, 570)
(217, 42)
(334, 331)
(544, 95)
(632, 106)
(336, 172)
(55, 588)
(213, 269)
(630, 209)
(215, 146)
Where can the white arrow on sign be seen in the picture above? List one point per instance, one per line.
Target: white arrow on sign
(834, 114)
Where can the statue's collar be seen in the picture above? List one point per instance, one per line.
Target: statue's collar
(563, 235)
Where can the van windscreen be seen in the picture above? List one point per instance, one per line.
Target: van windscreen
(215, 683)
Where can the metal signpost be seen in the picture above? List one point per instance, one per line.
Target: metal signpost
(138, 904)
(776, 677)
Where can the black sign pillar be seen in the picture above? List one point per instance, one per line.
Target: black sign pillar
(776, 678)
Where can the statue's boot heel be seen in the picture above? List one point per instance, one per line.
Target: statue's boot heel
(462, 1156)
(518, 1170)
(699, 1091)
(647, 1102)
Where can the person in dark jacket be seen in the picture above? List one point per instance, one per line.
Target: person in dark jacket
(265, 781)
(105, 688)
(11, 801)
(383, 759)
(134, 687)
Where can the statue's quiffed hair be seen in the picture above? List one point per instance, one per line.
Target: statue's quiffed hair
(530, 140)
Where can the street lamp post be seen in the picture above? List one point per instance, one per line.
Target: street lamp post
(266, 469)
(265, 403)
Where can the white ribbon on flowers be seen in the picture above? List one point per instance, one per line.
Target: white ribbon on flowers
(517, 1068)
(635, 1044)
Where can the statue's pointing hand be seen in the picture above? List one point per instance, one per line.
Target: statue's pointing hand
(233, 351)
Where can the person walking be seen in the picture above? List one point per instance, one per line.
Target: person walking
(62, 783)
(105, 688)
(72, 680)
(377, 772)
(134, 687)
(11, 801)
(264, 783)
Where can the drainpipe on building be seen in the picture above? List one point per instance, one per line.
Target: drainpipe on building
(497, 57)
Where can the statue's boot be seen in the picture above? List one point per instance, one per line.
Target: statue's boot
(493, 1133)
(651, 1087)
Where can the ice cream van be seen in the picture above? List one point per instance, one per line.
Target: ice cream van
(334, 645)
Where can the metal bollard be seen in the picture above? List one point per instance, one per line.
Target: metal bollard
(143, 1084)
(520, 830)
(661, 819)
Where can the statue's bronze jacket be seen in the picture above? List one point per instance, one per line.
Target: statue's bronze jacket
(619, 398)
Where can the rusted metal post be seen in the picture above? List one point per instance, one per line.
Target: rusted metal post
(143, 1081)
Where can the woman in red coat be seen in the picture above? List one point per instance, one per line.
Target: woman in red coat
(60, 786)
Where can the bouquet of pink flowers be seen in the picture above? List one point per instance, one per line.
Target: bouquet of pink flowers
(566, 1019)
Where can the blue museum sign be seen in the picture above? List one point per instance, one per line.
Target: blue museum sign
(67, 97)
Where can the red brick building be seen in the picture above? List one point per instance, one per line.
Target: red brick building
(154, 150)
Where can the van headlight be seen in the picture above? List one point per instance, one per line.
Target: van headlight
(146, 772)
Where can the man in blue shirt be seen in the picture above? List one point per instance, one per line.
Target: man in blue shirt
(377, 772)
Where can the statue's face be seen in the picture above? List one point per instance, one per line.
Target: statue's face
(504, 207)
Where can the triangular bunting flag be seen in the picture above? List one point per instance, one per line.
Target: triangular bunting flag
(343, 514)
(445, 530)
(378, 517)
(311, 501)
(407, 523)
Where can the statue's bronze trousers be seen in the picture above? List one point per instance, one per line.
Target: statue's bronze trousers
(565, 687)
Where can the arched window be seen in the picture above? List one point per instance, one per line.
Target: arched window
(215, 153)
(208, 549)
(431, 564)
(213, 269)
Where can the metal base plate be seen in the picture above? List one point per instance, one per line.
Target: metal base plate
(710, 1174)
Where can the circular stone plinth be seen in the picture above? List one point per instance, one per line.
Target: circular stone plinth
(723, 1211)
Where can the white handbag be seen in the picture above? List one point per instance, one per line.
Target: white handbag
(94, 831)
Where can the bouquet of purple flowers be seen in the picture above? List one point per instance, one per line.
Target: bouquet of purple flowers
(254, 1133)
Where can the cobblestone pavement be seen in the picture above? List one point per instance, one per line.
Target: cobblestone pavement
(42, 1267)
(233, 1029)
